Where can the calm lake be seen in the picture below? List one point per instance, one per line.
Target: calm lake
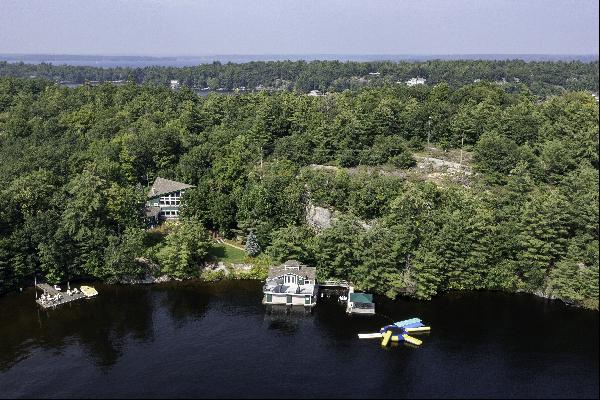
(195, 339)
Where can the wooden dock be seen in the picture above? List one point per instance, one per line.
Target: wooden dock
(57, 297)
(344, 288)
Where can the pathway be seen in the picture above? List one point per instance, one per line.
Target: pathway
(220, 240)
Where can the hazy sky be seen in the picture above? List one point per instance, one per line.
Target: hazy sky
(198, 27)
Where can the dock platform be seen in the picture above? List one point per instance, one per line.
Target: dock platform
(63, 297)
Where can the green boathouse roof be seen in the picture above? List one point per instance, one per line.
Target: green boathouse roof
(361, 298)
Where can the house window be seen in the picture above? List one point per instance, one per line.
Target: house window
(171, 199)
(269, 298)
(307, 299)
(288, 299)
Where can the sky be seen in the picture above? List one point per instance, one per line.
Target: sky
(206, 27)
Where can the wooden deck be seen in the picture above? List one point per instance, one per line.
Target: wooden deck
(333, 284)
(64, 297)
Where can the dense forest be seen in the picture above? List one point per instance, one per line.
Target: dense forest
(76, 164)
(542, 77)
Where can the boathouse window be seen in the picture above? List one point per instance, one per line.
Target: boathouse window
(288, 299)
(269, 298)
(306, 299)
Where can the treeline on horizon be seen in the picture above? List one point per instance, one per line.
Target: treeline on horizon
(76, 164)
(542, 77)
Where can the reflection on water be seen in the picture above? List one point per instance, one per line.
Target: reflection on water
(184, 303)
(286, 320)
(99, 325)
(192, 339)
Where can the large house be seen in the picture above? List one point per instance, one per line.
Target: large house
(291, 283)
(164, 199)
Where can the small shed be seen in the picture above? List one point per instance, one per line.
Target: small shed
(360, 303)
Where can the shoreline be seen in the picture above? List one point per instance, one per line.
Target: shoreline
(217, 275)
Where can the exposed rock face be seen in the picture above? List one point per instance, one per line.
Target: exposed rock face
(147, 279)
(318, 218)
(220, 266)
(436, 163)
(242, 267)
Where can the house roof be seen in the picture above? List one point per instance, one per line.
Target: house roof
(163, 186)
(292, 267)
(361, 297)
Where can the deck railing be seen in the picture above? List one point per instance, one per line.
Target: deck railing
(335, 283)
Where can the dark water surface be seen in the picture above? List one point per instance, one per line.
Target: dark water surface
(217, 340)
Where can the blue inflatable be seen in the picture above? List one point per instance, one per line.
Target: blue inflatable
(410, 323)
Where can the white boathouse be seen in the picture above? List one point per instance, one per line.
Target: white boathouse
(291, 283)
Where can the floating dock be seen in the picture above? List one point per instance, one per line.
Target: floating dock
(397, 332)
(58, 297)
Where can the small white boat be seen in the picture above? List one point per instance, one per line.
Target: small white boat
(89, 291)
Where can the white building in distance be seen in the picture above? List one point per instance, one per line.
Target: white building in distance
(415, 81)
(315, 93)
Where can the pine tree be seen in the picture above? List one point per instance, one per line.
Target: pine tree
(543, 236)
(252, 246)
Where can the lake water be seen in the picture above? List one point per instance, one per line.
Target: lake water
(195, 339)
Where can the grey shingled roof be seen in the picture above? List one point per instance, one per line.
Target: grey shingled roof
(163, 186)
(305, 271)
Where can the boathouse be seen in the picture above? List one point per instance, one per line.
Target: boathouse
(360, 303)
(291, 283)
(164, 199)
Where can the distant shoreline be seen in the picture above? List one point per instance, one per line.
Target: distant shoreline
(182, 61)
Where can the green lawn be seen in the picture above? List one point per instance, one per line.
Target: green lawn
(227, 254)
